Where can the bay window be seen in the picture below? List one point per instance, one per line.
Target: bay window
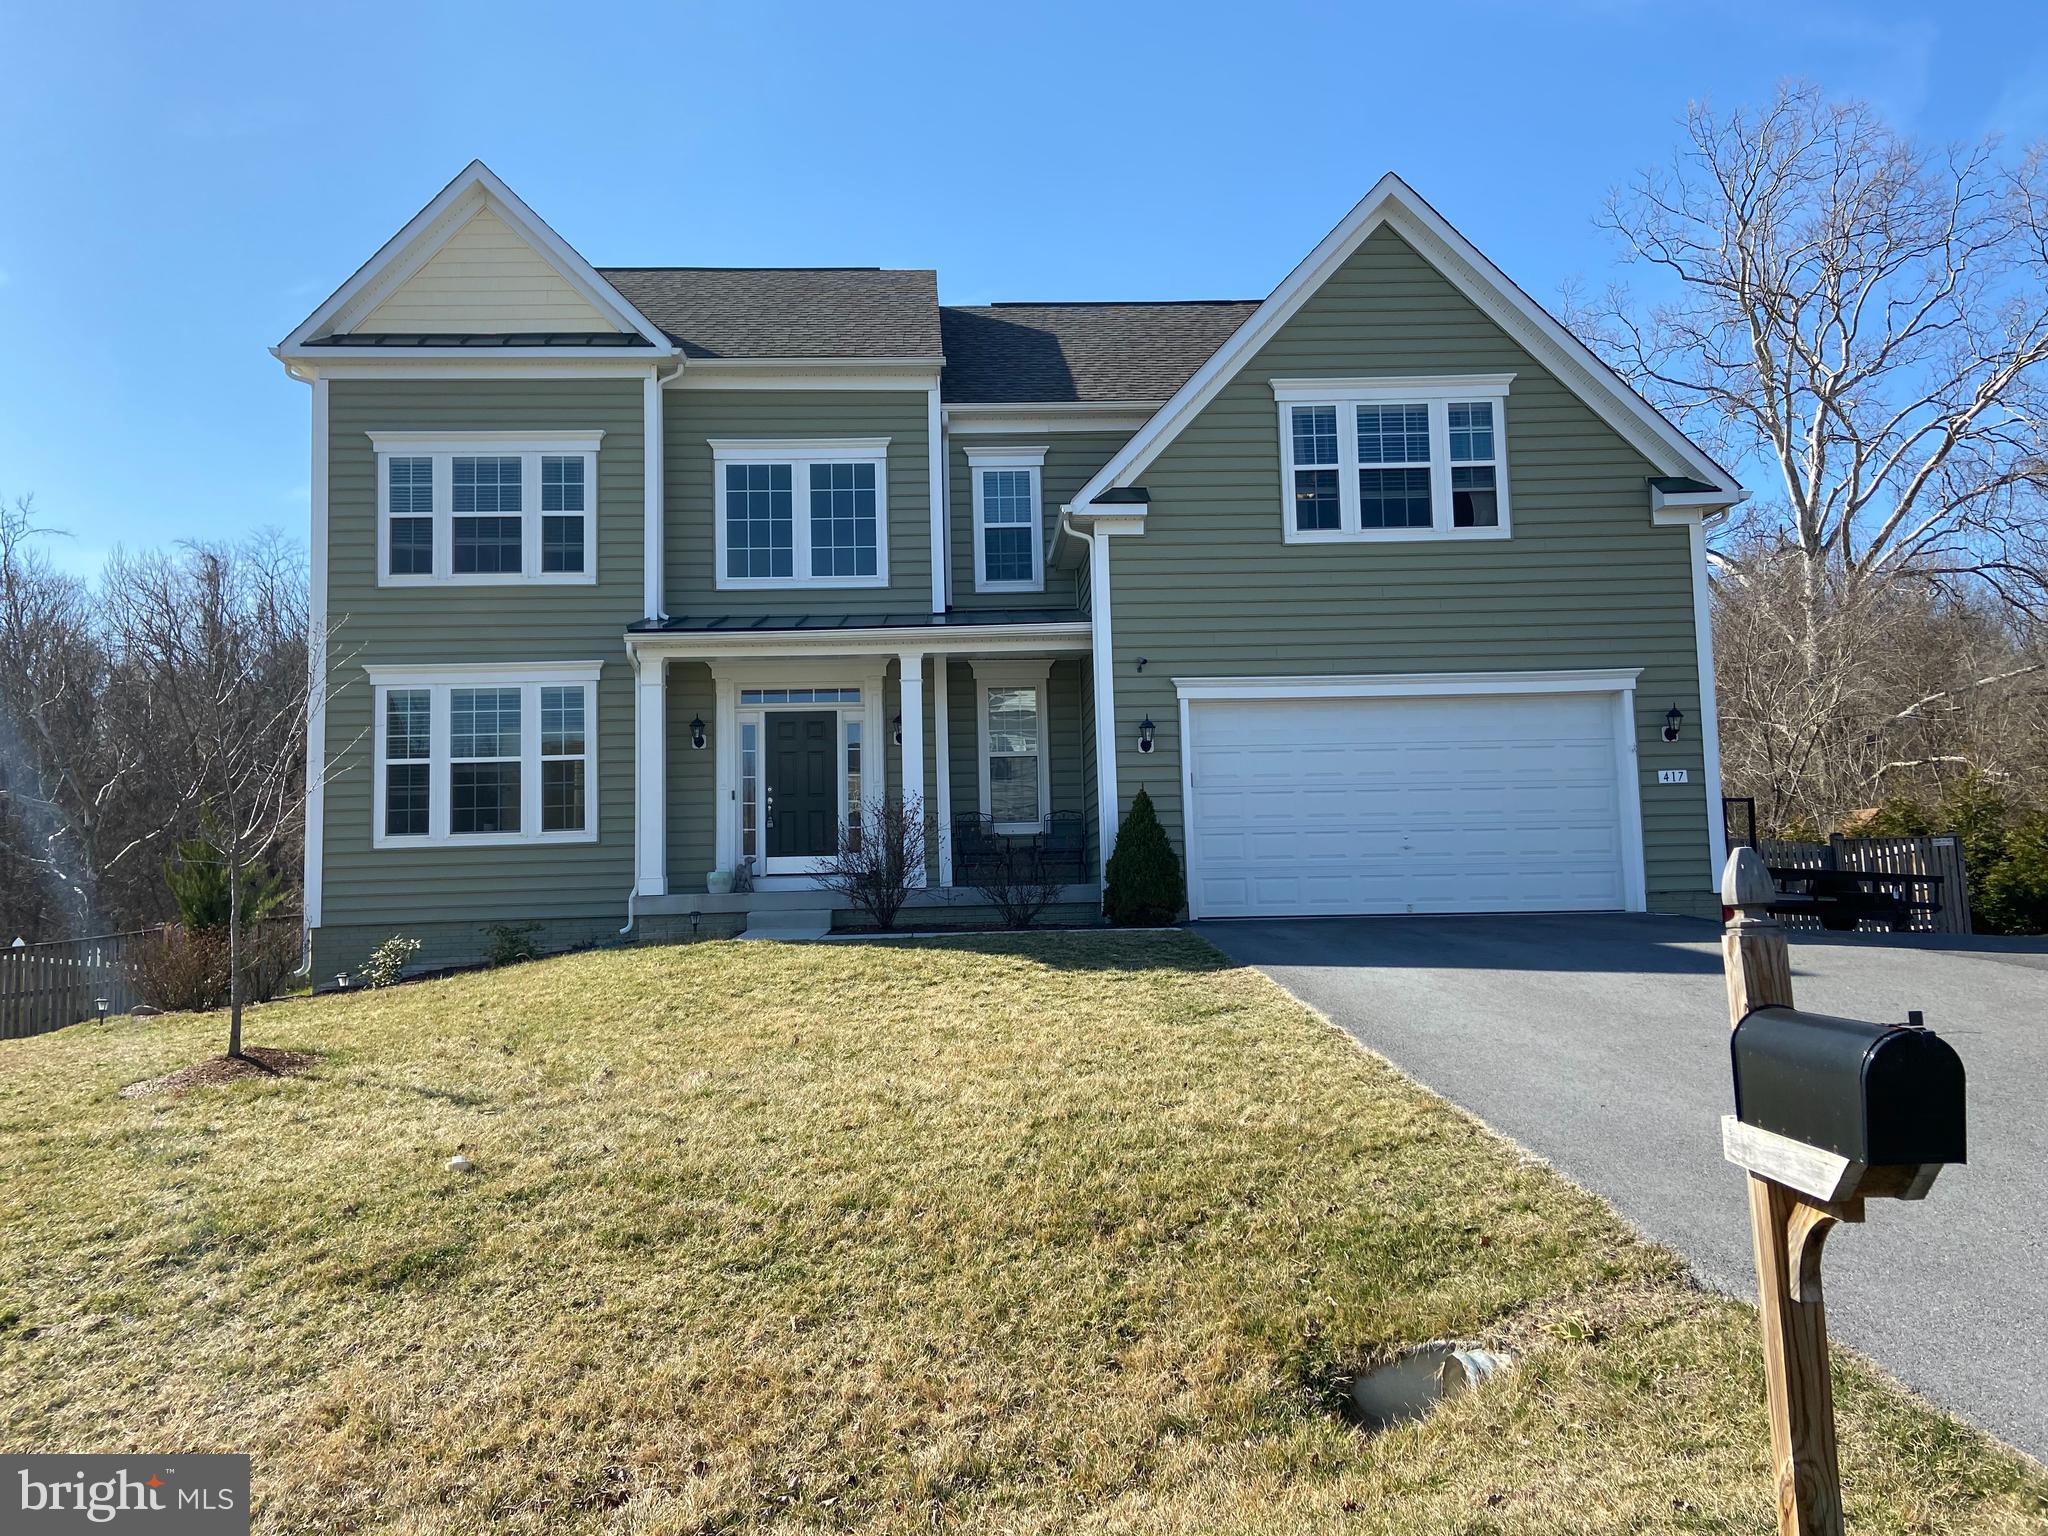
(1393, 459)
(484, 754)
(793, 513)
(485, 508)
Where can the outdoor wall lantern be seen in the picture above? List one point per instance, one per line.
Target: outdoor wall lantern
(1145, 734)
(896, 725)
(697, 732)
(1674, 717)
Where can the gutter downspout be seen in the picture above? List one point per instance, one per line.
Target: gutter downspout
(1102, 661)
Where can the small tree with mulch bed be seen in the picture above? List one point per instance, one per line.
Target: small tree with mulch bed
(1145, 886)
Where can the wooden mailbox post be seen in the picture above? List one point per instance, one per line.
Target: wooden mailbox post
(1798, 1192)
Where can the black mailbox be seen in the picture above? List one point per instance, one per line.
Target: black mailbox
(1876, 1093)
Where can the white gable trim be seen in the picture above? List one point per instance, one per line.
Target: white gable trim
(430, 229)
(1393, 202)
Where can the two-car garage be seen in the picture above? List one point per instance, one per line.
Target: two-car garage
(1481, 793)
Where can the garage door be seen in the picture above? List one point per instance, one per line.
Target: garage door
(1469, 804)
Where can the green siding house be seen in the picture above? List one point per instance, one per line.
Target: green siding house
(633, 583)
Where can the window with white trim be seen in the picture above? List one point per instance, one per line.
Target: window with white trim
(1009, 536)
(1397, 459)
(474, 756)
(801, 513)
(489, 508)
(1016, 772)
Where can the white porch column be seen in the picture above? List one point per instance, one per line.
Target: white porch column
(942, 769)
(1108, 813)
(650, 776)
(911, 692)
(725, 743)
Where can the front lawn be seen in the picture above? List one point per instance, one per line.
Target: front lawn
(992, 1234)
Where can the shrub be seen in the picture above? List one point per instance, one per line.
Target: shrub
(1145, 886)
(271, 953)
(2005, 849)
(879, 859)
(509, 943)
(182, 970)
(1019, 880)
(387, 962)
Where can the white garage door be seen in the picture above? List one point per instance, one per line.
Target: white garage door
(1472, 804)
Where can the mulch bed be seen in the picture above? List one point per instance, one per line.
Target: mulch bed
(256, 1061)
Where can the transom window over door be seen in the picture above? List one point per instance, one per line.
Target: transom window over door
(486, 508)
(1393, 459)
(478, 755)
(1009, 534)
(801, 514)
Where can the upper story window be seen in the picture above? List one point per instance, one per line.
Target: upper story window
(1393, 459)
(801, 513)
(485, 508)
(478, 755)
(1009, 530)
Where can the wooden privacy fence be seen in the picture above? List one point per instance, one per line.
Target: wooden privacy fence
(1926, 872)
(47, 986)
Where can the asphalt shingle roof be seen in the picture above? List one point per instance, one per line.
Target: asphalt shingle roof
(736, 312)
(1030, 353)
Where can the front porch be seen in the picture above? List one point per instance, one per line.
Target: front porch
(759, 743)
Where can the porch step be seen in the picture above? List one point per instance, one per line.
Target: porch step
(789, 924)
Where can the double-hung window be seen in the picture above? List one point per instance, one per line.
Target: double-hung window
(478, 755)
(811, 513)
(486, 508)
(1009, 536)
(1016, 776)
(1393, 459)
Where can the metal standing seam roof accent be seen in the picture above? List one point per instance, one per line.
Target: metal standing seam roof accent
(825, 623)
(481, 339)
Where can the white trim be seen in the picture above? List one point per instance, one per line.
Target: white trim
(1032, 461)
(1437, 400)
(319, 659)
(1618, 683)
(437, 681)
(942, 766)
(1685, 506)
(1410, 386)
(935, 453)
(1407, 685)
(530, 448)
(910, 703)
(1034, 674)
(1108, 811)
(1391, 201)
(908, 375)
(475, 186)
(1056, 416)
(498, 363)
(1061, 637)
(650, 776)
(800, 454)
(1710, 704)
(579, 441)
(653, 513)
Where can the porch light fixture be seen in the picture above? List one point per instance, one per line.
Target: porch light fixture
(697, 732)
(1145, 734)
(1674, 717)
(896, 725)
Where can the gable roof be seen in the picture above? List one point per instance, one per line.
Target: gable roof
(1394, 203)
(789, 312)
(1003, 354)
(474, 189)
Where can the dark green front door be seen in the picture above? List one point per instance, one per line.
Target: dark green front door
(803, 784)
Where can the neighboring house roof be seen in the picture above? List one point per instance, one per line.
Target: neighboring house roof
(1003, 354)
(789, 312)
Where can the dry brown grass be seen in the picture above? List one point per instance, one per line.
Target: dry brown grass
(1004, 1234)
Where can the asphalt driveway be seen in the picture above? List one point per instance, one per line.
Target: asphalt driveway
(1601, 1044)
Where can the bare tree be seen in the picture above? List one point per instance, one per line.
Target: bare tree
(218, 638)
(1863, 321)
(69, 759)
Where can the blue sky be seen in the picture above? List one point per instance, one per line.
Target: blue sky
(180, 185)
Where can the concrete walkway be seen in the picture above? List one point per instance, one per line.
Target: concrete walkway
(1601, 1044)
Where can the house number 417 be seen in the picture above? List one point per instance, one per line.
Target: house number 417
(1671, 775)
